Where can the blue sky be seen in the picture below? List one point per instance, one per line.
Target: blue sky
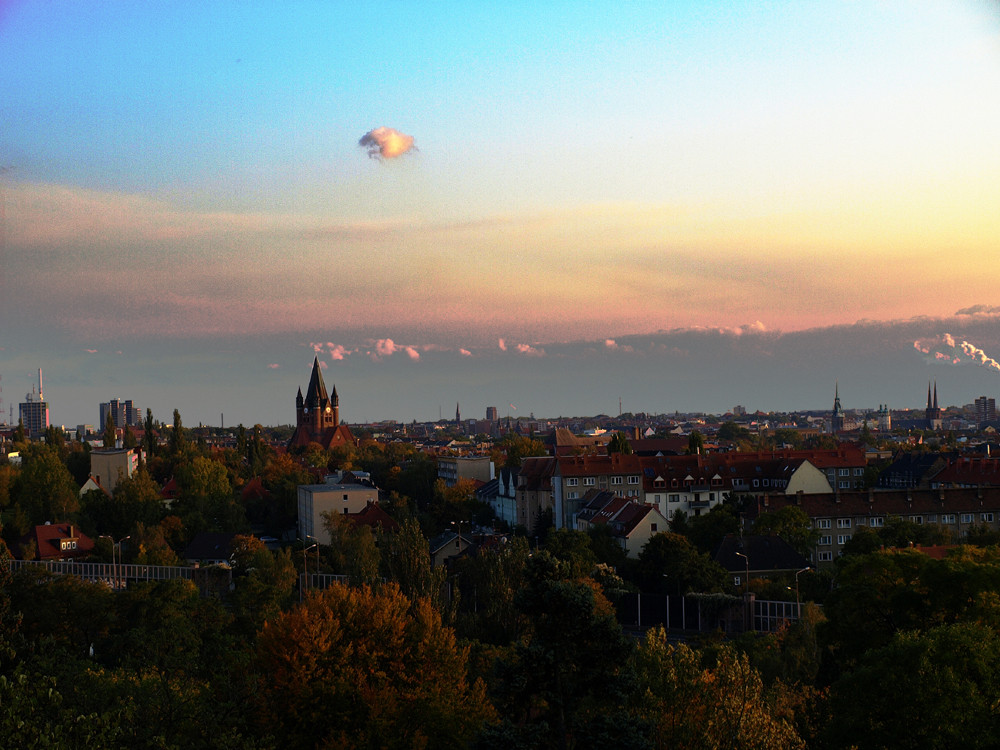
(183, 182)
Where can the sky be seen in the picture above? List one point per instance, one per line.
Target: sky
(685, 206)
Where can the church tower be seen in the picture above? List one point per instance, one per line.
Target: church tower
(317, 415)
(837, 418)
(933, 411)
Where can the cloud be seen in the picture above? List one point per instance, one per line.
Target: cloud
(91, 351)
(945, 348)
(274, 366)
(610, 344)
(465, 352)
(386, 143)
(979, 310)
(337, 351)
(502, 344)
(411, 353)
(530, 351)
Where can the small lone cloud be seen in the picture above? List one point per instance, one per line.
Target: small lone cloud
(502, 344)
(465, 352)
(386, 143)
(91, 351)
(529, 351)
(610, 343)
(274, 366)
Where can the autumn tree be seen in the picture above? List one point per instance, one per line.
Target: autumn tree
(694, 707)
(45, 489)
(359, 667)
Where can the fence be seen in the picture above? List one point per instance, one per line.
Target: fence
(706, 612)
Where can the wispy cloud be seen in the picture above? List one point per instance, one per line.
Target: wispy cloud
(945, 348)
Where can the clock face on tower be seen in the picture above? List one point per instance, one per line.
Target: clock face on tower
(328, 410)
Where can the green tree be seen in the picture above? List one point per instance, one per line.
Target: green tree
(669, 563)
(568, 679)
(110, 432)
(792, 524)
(572, 548)
(353, 551)
(45, 489)
(732, 432)
(19, 438)
(696, 443)
(149, 435)
(515, 448)
(619, 444)
(933, 689)
(407, 561)
(264, 582)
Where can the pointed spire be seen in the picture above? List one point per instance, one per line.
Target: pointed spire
(935, 394)
(316, 395)
(928, 394)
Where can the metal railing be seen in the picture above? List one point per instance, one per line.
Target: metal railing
(107, 572)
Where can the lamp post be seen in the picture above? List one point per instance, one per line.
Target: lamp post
(316, 545)
(747, 615)
(115, 582)
(305, 569)
(798, 600)
(747, 561)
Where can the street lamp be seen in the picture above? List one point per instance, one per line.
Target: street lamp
(115, 582)
(747, 560)
(317, 551)
(798, 601)
(305, 569)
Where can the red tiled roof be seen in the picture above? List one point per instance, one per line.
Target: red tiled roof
(49, 540)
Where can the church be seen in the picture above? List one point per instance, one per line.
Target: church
(317, 415)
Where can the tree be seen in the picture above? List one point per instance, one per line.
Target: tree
(792, 524)
(619, 444)
(696, 443)
(45, 489)
(568, 679)
(19, 438)
(353, 551)
(149, 435)
(407, 561)
(110, 433)
(695, 707)
(264, 582)
(516, 448)
(669, 562)
(572, 548)
(732, 432)
(356, 667)
(933, 689)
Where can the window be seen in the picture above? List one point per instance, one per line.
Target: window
(966, 518)
(616, 480)
(633, 493)
(765, 483)
(823, 523)
(572, 495)
(572, 482)
(826, 540)
(878, 522)
(947, 518)
(345, 498)
(652, 527)
(72, 545)
(860, 522)
(859, 472)
(987, 517)
(633, 480)
(62, 545)
(674, 498)
(845, 485)
(588, 481)
(917, 519)
(737, 580)
(756, 483)
(825, 556)
(845, 472)
(843, 538)
(843, 523)
(932, 518)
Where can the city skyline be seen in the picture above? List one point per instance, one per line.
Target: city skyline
(686, 207)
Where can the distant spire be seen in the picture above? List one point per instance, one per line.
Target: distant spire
(935, 394)
(929, 404)
(458, 414)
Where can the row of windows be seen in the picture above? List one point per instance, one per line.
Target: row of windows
(878, 522)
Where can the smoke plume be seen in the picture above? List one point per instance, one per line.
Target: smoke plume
(386, 143)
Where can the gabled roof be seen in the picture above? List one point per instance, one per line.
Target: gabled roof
(373, 515)
(970, 472)
(49, 540)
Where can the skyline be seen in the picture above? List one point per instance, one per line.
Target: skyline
(189, 186)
